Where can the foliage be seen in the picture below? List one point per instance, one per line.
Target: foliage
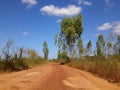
(12, 65)
(88, 48)
(32, 54)
(62, 55)
(19, 59)
(7, 50)
(100, 45)
(71, 30)
(45, 50)
(80, 47)
(117, 45)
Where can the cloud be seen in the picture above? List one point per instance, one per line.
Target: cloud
(52, 10)
(114, 26)
(58, 21)
(95, 35)
(29, 2)
(105, 26)
(84, 2)
(87, 3)
(25, 33)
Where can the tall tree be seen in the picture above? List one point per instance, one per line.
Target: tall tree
(80, 47)
(59, 42)
(71, 30)
(21, 53)
(89, 48)
(45, 50)
(59, 55)
(116, 46)
(100, 45)
(109, 48)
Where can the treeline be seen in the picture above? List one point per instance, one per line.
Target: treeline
(16, 59)
(103, 61)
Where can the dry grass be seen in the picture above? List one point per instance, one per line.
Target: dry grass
(108, 68)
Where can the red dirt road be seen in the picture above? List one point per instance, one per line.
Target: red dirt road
(53, 77)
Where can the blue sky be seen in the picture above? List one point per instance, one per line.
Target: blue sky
(30, 22)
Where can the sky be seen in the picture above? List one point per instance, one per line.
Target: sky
(29, 22)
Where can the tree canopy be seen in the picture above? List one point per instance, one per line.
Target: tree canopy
(71, 30)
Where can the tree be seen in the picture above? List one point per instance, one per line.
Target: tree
(80, 47)
(109, 48)
(0, 56)
(116, 46)
(7, 50)
(100, 45)
(59, 56)
(71, 30)
(21, 53)
(62, 52)
(45, 50)
(78, 25)
(89, 48)
(58, 41)
(32, 54)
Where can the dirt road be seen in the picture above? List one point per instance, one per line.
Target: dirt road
(53, 77)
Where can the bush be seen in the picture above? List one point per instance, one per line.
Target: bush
(19, 64)
(12, 65)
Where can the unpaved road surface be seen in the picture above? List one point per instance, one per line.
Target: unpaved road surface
(53, 77)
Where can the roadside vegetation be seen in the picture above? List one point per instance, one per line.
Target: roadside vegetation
(103, 61)
(12, 59)
(108, 68)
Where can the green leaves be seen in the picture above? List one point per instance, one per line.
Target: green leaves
(45, 50)
(78, 25)
(100, 45)
(89, 48)
(71, 30)
(70, 35)
(80, 47)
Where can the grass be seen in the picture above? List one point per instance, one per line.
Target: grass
(108, 68)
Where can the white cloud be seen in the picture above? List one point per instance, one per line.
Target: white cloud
(105, 26)
(70, 10)
(84, 2)
(87, 3)
(116, 28)
(95, 35)
(29, 2)
(58, 21)
(25, 33)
